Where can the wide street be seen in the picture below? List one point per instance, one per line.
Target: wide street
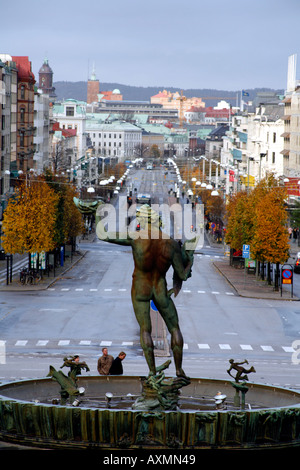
(90, 306)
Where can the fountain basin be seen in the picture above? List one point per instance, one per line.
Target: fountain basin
(271, 418)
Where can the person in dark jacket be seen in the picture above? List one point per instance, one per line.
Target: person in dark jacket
(117, 367)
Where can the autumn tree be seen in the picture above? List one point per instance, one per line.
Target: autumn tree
(68, 222)
(270, 241)
(29, 219)
(259, 219)
(240, 218)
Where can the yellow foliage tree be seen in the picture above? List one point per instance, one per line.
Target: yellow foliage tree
(270, 242)
(73, 221)
(259, 218)
(29, 219)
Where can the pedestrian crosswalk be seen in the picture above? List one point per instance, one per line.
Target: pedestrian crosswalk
(116, 290)
(200, 347)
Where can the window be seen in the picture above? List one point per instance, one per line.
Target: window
(22, 139)
(70, 111)
(22, 92)
(22, 115)
(274, 137)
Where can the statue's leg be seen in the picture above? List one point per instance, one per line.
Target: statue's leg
(142, 313)
(168, 312)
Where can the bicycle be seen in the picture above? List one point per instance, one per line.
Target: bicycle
(33, 276)
(29, 276)
(23, 275)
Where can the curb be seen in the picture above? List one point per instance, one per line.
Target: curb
(254, 295)
(16, 287)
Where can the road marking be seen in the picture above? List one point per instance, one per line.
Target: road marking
(185, 346)
(229, 293)
(65, 289)
(203, 346)
(105, 343)
(288, 348)
(42, 342)
(224, 346)
(93, 290)
(53, 310)
(79, 290)
(85, 343)
(246, 347)
(267, 348)
(215, 292)
(64, 342)
(107, 290)
(122, 290)
(21, 342)
(201, 291)
(186, 290)
(127, 343)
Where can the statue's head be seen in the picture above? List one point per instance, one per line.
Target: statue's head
(147, 216)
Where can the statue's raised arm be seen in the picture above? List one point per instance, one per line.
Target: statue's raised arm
(120, 238)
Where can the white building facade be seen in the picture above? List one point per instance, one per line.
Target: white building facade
(42, 131)
(71, 114)
(117, 139)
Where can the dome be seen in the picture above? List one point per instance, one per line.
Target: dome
(116, 91)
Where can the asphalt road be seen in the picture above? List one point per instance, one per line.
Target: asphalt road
(90, 307)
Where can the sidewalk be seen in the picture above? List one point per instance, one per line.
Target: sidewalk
(46, 281)
(247, 285)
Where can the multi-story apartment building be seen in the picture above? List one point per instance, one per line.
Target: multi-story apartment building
(114, 139)
(176, 101)
(291, 135)
(71, 114)
(265, 142)
(8, 119)
(25, 114)
(42, 131)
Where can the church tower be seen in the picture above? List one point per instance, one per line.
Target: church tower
(93, 89)
(46, 79)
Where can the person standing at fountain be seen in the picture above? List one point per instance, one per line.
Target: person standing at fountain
(104, 362)
(117, 367)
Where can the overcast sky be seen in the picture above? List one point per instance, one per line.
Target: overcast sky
(223, 44)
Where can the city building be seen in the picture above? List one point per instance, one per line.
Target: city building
(132, 110)
(71, 114)
(8, 130)
(291, 134)
(176, 101)
(117, 139)
(46, 80)
(114, 95)
(153, 145)
(25, 115)
(93, 89)
(63, 155)
(265, 142)
(42, 131)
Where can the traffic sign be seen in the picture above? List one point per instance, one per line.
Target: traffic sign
(246, 251)
(287, 276)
